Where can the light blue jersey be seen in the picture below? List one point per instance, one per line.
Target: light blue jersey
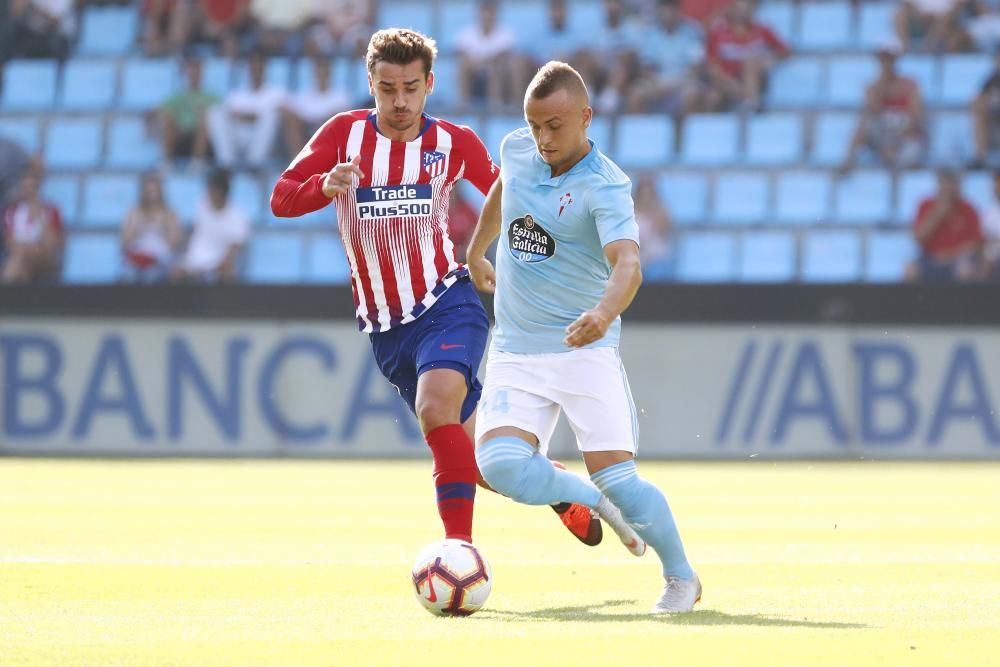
(551, 266)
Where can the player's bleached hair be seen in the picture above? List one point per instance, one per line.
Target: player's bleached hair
(400, 46)
(555, 75)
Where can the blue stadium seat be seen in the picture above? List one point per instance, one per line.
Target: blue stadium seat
(129, 145)
(767, 257)
(402, 14)
(526, 18)
(977, 187)
(108, 197)
(780, 17)
(685, 195)
(826, 26)
(951, 138)
(107, 31)
(774, 139)
(600, 133)
(741, 198)
(498, 127)
(73, 143)
(63, 190)
(276, 258)
(246, 191)
(88, 85)
(147, 83)
(183, 193)
(796, 83)
(643, 141)
(341, 74)
(875, 24)
(832, 134)
(455, 16)
(326, 261)
(359, 87)
(711, 139)
(446, 83)
(707, 257)
(92, 258)
(217, 76)
(25, 131)
(864, 197)
(912, 188)
(923, 70)
(585, 16)
(803, 197)
(847, 79)
(277, 73)
(29, 85)
(831, 257)
(888, 255)
(962, 75)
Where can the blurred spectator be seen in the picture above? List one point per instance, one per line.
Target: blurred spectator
(184, 118)
(982, 23)
(281, 25)
(706, 12)
(991, 232)
(486, 60)
(221, 230)
(741, 53)
(344, 28)
(33, 236)
(931, 25)
(462, 219)
(986, 116)
(672, 52)
(166, 24)
(247, 120)
(151, 235)
(223, 24)
(555, 41)
(653, 218)
(609, 60)
(14, 164)
(41, 28)
(304, 112)
(948, 232)
(892, 122)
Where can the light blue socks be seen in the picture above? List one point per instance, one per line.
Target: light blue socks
(516, 469)
(645, 508)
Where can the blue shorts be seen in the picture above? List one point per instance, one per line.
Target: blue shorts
(451, 334)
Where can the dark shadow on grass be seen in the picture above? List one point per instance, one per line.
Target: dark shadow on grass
(594, 613)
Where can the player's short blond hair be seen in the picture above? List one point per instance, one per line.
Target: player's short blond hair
(555, 75)
(400, 46)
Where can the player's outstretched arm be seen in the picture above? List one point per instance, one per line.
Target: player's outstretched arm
(310, 183)
(626, 277)
(481, 270)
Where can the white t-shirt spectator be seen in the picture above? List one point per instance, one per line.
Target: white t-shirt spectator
(283, 14)
(256, 101)
(933, 6)
(314, 106)
(215, 230)
(479, 47)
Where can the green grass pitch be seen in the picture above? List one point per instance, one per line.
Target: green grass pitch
(301, 563)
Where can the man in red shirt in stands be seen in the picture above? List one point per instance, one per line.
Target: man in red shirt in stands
(949, 234)
(741, 52)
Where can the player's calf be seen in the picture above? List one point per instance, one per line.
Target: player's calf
(514, 468)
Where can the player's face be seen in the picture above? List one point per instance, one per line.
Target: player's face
(400, 92)
(559, 125)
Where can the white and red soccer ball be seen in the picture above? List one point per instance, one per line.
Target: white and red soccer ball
(452, 578)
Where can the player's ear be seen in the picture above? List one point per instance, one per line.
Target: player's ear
(371, 85)
(430, 82)
(588, 115)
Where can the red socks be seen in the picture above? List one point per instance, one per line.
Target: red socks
(455, 475)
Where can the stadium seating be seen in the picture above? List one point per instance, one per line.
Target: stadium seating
(24, 130)
(457, 14)
(780, 17)
(88, 85)
(445, 93)
(711, 139)
(145, 84)
(888, 255)
(246, 191)
(644, 141)
(108, 197)
(107, 31)
(277, 73)
(875, 24)
(707, 257)
(216, 76)
(831, 257)
(741, 198)
(797, 83)
(405, 14)
(803, 197)
(130, 146)
(951, 138)
(962, 76)
(767, 257)
(498, 127)
(923, 70)
(275, 258)
(977, 187)
(774, 139)
(847, 79)
(73, 143)
(825, 26)
(863, 197)
(303, 80)
(326, 261)
(63, 190)
(29, 85)
(832, 134)
(92, 258)
(686, 194)
(183, 192)
(912, 188)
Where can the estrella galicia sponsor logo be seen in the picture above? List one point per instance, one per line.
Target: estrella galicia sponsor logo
(528, 241)
(394, 201)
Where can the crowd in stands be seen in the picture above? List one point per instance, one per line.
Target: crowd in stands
(670, 57)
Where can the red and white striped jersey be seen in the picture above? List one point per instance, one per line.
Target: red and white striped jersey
(394, 223)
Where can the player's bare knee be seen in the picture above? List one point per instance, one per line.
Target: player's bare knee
(433, 412)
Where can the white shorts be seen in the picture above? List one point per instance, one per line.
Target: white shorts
(526, 391)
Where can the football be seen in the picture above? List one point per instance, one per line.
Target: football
(452, 578)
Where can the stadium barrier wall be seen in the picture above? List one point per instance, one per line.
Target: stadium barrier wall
(221, 372)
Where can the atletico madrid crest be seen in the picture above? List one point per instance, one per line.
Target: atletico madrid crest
(434, 163)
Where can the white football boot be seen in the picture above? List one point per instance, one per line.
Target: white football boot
(613, 517)
(679, 596)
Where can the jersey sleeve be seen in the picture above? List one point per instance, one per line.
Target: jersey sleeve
(480, 170)
(300, 188)
(614, 213)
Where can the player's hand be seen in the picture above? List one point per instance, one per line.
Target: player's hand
(483, 275)
(589, 327)
(340, 179)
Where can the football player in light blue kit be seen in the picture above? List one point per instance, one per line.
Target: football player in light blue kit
(567, 266)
